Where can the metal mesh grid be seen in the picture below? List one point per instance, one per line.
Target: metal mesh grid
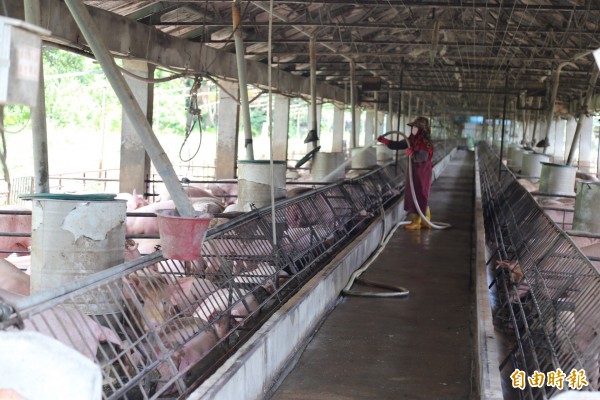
(547, 297)
(169, 324)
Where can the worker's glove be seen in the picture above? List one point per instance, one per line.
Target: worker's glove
(382, 139)
(409, 152)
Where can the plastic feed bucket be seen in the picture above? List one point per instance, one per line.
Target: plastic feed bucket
(181, 237)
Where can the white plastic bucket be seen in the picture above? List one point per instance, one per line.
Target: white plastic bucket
(558, 179)
(254, 183)
(515, 157)
(532, 164)
(75, 236)
(384, 153)
(328, 167)
(364, 157)
(587, 207)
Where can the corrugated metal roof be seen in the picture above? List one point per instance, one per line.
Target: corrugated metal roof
(452, 51)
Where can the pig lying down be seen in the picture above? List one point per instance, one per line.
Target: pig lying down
(69, 326)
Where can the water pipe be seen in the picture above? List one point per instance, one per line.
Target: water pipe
(243, 85)
(131, 107)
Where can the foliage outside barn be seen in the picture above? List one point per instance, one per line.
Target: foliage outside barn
(84, 122)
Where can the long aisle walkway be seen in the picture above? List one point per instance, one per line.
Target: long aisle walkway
(418, 347)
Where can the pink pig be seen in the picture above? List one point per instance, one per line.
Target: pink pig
(220, 301)
(13, 279)
(69, 326)
(14, 224)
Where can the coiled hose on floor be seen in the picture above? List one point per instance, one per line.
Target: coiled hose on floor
(395, 291)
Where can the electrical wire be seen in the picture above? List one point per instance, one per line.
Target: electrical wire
(156, 80)
(194, 117)
(19, 130)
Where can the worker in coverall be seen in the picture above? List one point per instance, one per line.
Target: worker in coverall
(421, 150)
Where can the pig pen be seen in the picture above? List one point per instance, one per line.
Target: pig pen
(179, 321)
(543, 289)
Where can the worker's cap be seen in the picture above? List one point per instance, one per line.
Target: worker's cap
(420, 122)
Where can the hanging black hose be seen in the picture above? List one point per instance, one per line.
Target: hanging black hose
(194, 118)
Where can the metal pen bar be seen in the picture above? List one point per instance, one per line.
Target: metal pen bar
(158, 156)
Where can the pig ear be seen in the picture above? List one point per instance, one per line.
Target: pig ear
(127, 280)
(134, 193)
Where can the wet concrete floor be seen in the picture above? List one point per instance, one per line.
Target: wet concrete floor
(419, 347)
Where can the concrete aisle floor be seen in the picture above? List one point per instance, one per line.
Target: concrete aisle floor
(413, 348)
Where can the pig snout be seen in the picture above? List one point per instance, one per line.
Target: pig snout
(13, 279)
(132, 251)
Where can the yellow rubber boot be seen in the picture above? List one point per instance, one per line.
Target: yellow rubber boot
(425, 225)
(415, 222)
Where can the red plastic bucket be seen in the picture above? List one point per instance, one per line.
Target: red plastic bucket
(181, 237)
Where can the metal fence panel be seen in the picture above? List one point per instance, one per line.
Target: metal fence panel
(176, 322)
(547, 292)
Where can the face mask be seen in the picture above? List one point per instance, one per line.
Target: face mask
(414, 130)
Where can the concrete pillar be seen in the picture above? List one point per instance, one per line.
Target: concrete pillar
(552, 138)
(392, 122)
(529, 135)
(370, 127)
(135, 162)
(541, 133)
(227, 131)
(281, 120)
(32, 10)
(559, 146)
(585, 144)
(370, 138)
(360, 134)
(337, 144)
(570, 133)
(379, 129)
(312, 145)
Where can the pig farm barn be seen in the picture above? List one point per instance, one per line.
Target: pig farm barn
(288, 270)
